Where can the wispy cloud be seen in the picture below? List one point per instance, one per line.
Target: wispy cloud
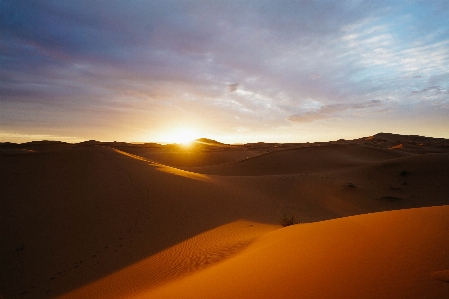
(332, 111)
(436, 90)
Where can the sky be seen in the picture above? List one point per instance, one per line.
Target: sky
(233, 71)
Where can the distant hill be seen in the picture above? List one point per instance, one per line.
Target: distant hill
(413, 143)
(406, 138)
(208, 141)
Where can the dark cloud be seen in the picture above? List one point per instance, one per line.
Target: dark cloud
(233, 87)
(435, 90)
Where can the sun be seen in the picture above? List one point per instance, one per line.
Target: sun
(184, 136)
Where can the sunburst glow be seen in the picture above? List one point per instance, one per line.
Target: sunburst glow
(183, 136)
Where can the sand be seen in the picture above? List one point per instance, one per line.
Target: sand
(178, 261)
(115, 220)
(397, 254)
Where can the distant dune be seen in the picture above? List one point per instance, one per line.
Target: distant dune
(120, 220)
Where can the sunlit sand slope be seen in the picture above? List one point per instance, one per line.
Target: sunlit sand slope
(399, 254)
(177, 261)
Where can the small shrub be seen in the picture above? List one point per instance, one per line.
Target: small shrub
(405, 173)
(20, 248)
(287, 219)
(350, 185)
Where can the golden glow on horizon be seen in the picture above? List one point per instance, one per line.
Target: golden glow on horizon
(183, 136)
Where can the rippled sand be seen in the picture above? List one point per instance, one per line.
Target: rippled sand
(97, 220)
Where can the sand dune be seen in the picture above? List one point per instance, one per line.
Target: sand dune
(187, 257)
(197, 154)
(74, 216)
(384, 255)
(98, 220)
(304, 160)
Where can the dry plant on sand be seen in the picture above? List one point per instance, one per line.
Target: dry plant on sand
(287, 219)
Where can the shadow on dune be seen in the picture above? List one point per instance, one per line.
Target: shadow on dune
(303, 160)
(189, 256)
(73, 216)
(80, 214)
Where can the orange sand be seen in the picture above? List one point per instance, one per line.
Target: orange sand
(177, 261)
(112, 220)
(382, 255)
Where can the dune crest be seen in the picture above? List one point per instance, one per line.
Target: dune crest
(169, 169)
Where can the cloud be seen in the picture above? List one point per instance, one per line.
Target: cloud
(233, 87)
(125, 59)
(314, 76)
(432, 90)
(331, 111)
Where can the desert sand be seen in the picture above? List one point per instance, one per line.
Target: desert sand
(118, 220)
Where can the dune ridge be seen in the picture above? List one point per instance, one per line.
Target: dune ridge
(168, 169)
(303, 160)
